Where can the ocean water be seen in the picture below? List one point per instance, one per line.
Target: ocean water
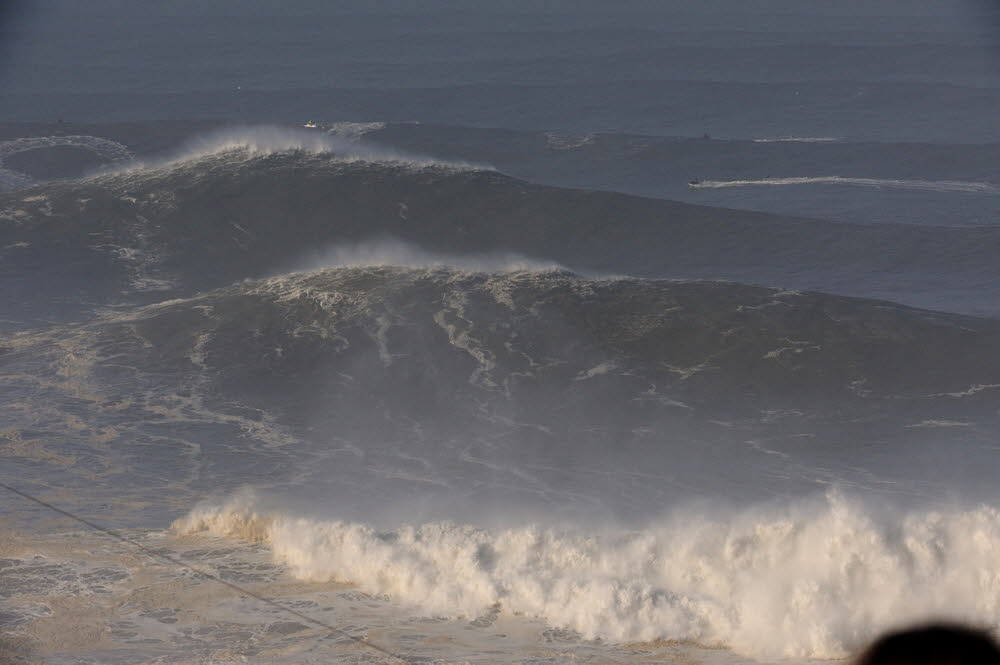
(466, 333)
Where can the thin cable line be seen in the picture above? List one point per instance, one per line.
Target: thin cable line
(159, 555)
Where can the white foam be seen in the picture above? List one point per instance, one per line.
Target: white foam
(970, 391)
(926, 185)
(814, 579)
(939, 423)
(555, 141)
(354, 131)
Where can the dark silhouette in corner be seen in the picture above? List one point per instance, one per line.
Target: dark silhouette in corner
(938, 644)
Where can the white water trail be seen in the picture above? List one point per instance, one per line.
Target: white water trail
(798, 139)
(924, 185)
(11, 179)
(353, 131)
(812, 579)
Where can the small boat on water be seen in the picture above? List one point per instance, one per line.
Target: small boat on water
(310, 125)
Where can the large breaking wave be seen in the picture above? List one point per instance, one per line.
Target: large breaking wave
(812, 579)
(248, 205)
(434, 392)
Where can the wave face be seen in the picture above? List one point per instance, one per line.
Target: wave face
(423, 393)
(814, 580)
(251, 206)
(904, 183)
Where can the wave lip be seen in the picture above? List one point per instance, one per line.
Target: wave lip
(924, 185)
(816, 579)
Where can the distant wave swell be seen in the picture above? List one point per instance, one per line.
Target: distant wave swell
(798, 139)
(815, 579)
(925, 185)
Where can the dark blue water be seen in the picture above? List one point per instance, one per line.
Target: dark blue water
(900, 72)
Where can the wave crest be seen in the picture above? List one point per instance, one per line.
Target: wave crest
(260, 141)
(815, 579)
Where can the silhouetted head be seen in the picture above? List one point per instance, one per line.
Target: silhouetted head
(933, 645)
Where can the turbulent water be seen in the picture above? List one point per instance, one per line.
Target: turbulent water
(805, 581)
(557, 334)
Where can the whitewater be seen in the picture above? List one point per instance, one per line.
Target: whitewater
(813, 579)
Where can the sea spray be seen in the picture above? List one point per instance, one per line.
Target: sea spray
(388, 251)
(816, 578)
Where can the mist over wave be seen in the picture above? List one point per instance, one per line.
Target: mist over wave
(816, 578)
(432, 392)
(388, 251)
